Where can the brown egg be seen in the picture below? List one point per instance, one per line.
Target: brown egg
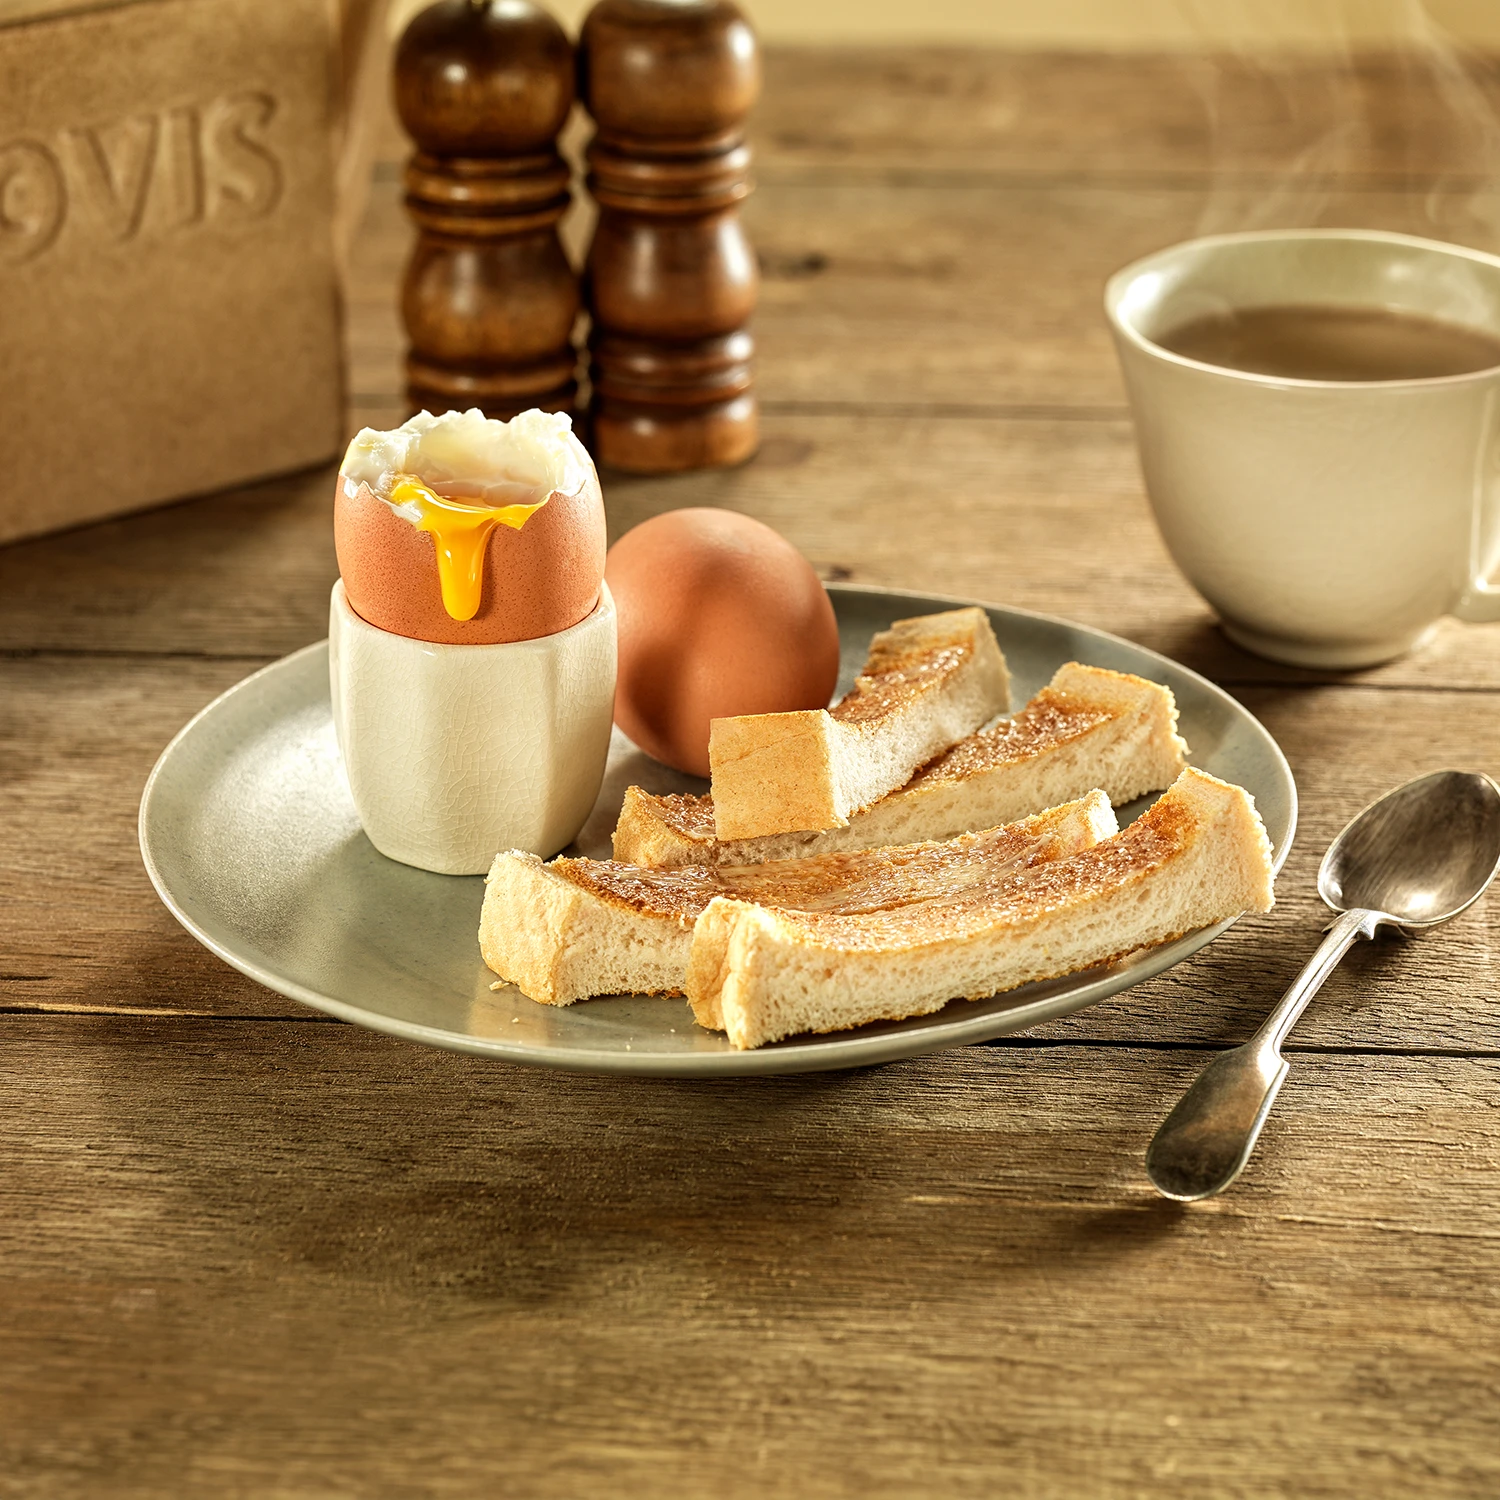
(535, 581)
(718, 615)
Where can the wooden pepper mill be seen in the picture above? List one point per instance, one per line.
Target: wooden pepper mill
(489, 300)
(671, 279)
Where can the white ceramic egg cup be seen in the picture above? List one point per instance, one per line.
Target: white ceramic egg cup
(456, 752)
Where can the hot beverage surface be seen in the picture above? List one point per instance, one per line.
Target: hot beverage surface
(1334, 343)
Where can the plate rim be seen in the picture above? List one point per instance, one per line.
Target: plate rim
(820, 1052)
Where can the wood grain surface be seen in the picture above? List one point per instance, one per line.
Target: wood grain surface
(250, 1251)
(305, 1260)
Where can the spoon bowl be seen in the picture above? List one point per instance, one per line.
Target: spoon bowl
(1421, 854)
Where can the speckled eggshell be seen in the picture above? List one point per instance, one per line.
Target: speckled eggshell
(537, 581)
(718, 615)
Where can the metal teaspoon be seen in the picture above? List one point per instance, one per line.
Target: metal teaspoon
(1417, 857)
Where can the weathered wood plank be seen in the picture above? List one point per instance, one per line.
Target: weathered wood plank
(879, 111)
(992, 297)
(1043, 515)
(262, 1259)
(242, 573)
(82, 929)
(886, 113)
(982, 297)
(80, 924)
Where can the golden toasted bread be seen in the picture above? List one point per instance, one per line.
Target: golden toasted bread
(1197, 856)
(579, 927)
(926, 684)
(1089, 728)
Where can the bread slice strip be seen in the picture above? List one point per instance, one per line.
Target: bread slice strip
(1198, 855)
(1088, 728)
(579, 927)
(926, 684)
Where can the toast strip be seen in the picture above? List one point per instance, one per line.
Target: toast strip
(579, 927)
(1088, 728)
(1198, 855)
(926, 684)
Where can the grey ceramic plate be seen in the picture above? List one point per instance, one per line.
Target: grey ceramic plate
(250, 837)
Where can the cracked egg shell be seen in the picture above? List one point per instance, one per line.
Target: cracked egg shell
(535, 581)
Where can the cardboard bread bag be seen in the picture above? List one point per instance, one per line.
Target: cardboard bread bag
(177, 178)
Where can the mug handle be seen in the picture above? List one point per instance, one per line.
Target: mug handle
(1481, 605)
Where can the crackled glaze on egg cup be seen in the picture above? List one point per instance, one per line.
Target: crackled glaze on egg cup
(456, 752)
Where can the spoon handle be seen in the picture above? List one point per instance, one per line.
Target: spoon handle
(1202, 1146)
(1341, 936)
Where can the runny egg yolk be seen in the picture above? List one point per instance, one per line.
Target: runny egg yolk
(461, 534)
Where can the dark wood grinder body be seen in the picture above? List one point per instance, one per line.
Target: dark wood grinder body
(671, 278)
(489, 299)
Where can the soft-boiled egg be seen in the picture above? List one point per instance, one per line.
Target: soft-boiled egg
(467, 531)
(718, 615)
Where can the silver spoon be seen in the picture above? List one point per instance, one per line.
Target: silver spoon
(1417, 857)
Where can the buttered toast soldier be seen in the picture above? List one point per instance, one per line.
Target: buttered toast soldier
(1197, 856)
(926, 684)
(599, 927)
(1088, 728)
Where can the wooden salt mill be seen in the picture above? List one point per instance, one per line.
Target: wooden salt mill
(671, 278)
(489, 300)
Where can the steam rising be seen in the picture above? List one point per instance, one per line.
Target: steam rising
(1371, 134)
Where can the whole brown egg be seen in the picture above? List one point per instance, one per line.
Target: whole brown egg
(718, 616)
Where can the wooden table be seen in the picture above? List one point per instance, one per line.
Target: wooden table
(251, 1251)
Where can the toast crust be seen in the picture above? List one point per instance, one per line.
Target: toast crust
(1114, 730)
(926, 683)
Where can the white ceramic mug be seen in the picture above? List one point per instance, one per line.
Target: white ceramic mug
(1330, 524)
(454, 753)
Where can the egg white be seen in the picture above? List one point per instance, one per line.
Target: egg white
(524, 460)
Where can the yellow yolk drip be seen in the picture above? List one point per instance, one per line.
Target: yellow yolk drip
(461, 534)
